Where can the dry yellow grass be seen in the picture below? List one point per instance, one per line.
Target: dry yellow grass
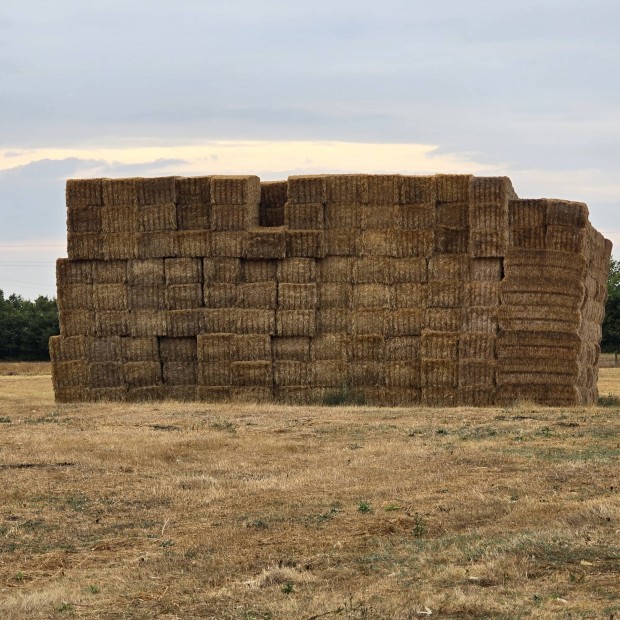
(243, 512)
(25, 368)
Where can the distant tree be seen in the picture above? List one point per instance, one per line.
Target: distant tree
(26, 326)
(611, 323)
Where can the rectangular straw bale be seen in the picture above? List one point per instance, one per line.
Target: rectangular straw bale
(71, 395)
(439, 373)
(417, 189)
(529, 214)
(346, 188)
(254, 321)
(346, 216)
(482, 294)
(184, 323)
(273, 193)
(406, 322)
(565, 238)
(251, 394)
(404, 243)
(336, 295)
(157, 218)
(119, 192)
(445, 294)
(451, 240)
(529, 352)
(140, 349)
(183, 296)
(519, 259)
(178, 349)
(486, 269)
(377, 243)
(143, 323)
(120, 246)
(119, 219)
(258, 295)
(272, 216)
(75, 297)
(85, 246)
(69, 349)
(222, 270)
(214, 374)
(330, 346)
(379, 216)
(183, 270)
(220, 295)
(104, 349)
(252, 374)
(215, 394)
(108, 394)
(110, 297)
(297, 296)
(156, 245)
(366, 348)
(333, 320)
(77, 323)
(402, 348)
(370, 322)
(540, 312)
(142, 374)
(145, 272)
(452, 215)
(305, 243)
(384, 189)
(476, 396)
(305, 215)
(327, 373)
(193, 190)
(542, 394)
(264, 244)
(179, 393)
(415, 216)
(112, 323)
(450, 267)
(371, 296)
(488, 217)
(294, 394)
(540, 324)
(297, 270)
(452, 187)
(403, 374)
(554, 365)
(491, 190)
(295, 323)
(476, 346)
(216, 348)
(401, 397)
(74, 271)
(372, 270)
(259, 271)
(336, 269)
(193, 216)
(180, 373)
(407, 270)
(144, 394)
(442, 319)
(193, 243)
(227, 244)
(474, 372)
(532, 378)
(439, 346)
(480, 319)
(252, 347)
(366, 373)
(566, 213)
(439, 396)
(84, 193)
(105, 374)
(288, 373)
(84, 220)
(156, 191)
(226, 217)
(235, 190)
(220, 320)
(526, 298)
(342, 242)
(307, 189)
(527, 238)
(109, 272)
(488, 244)
(295, 349)
(74, 374)
(570, 340)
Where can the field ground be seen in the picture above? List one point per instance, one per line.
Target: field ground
(171, 510)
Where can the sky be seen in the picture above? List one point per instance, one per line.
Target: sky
(523, 88)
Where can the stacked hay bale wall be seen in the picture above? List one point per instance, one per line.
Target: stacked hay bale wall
(439, 290)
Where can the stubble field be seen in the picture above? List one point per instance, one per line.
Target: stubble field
(257, 512)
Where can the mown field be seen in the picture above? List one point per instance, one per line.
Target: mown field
(244, 512)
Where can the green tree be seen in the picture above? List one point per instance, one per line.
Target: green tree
(611, 323)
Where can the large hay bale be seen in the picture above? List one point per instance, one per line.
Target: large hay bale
(194, 243)
(193, 217)
(403, 374)
(418, 190)
(140, 349)
(179, 373)
(305, 243)
(370, 322)
(407, 322)
(73, 271)
(346, 188)
(295, 323)
(156, 245)
(342, 242)
(84, 220)
(252, 347)
(84, 246)
(307, 189)
(220, 295)
(142, 374)
(293, 349)
(439, 345)
(147, 297)
(119, 192)
(183, 296)
(157, 191)
(254, 321)
(334, 295)
(105, 375)
(287, 373)
(157, 217)
(343, 216)
(222, 270)
(119, 219)
(112, 323)
(452, 187)
(297, 270)
(330, 346)
(215, 374)
(184, 323)
(262, 295)
(304, 216)
(235, 190)
(329, 373)
(183, 270)
(264, 244)
(84, 193)
(143, 323)
(193, 190)
(369, 296)
(383, 189)
(252, 374)
(228, 244)
(402, 349)
(297, 296)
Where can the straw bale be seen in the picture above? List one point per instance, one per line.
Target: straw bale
(526, 379)
(86, 246)
(111, 323)
(181, 393)
(307, 189)
(235, 190)
(304, 216)
(384, 189)
(226, 244)
(474, 372)
(330, 346)
(407, 270)
(71, 395)
(565, 238)
(213, 394)
(120, 246)
(225, 217)
(476, 346)
(84, 193)
(105, 374)
(258, 295)
(528, 260)
(77, 323)
(179, 373)
(288, 373)
(439, 396)
(214, 374)
(555, 365)
(183, 270)
(449, 267)
(252, 374)
(488, 217)
(527, 238)
(144, 394)
(439, 346)
(529, 213)
(403, 374)
(253, 271)
(193, 243)
(343, 216)
(398, 243)
(297, 270)
(178, 349)
(439, 373)
(216, 348)
(156, 218)
(526, 298)
(569, 340)
(251, 394)
(528, 352)
(486, 269)
(346, 188)
(488, 244)
(305, 243)
(193, 190)
(376, 243)
(445, 294)
(273, 194)
(156, 191)
(379, 216)
(370, 322)
(142, 323)
(372, 270)
(366, 348)
(109, 272)
(119, 219)
(221, 295)
(371, 296)
(482, 320)
(109, 297)
(562, 395)
(140, 349)
(119, 192)
(415, 216)
(70, 374)
(334, 320)
(452, 187)
(104, 349)
(297, 296)
(401, 397)
(68, 349)
(193, 216)
(342, 242)
(336, 269)
(452, 215)
(220, 320)
(184, 323)
(183, 296)
(74, 271)
(407, 322)
(84, 220)
(335, 295)
(555, 313)
(482, 294)
(264, 244)
(451, 240)
(366, 373)
(402, 349)
(295, 395)
(142, 374)
(566, 213)
(491, 190)
(329, 372)
(295, 323)
(156, 245)
(272, 216)
(253, 321)
(252, 347)
(442, 319)
(417, 190)
(222, 270)
(476, 396)
(107, 394)
(75, 297)
(291, 349)
(145, 272)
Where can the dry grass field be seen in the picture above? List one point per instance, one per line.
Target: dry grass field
(244, 512)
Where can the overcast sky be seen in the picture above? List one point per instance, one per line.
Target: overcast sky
(527, 88)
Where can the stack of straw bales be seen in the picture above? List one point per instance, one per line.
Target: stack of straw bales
(439, 290)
